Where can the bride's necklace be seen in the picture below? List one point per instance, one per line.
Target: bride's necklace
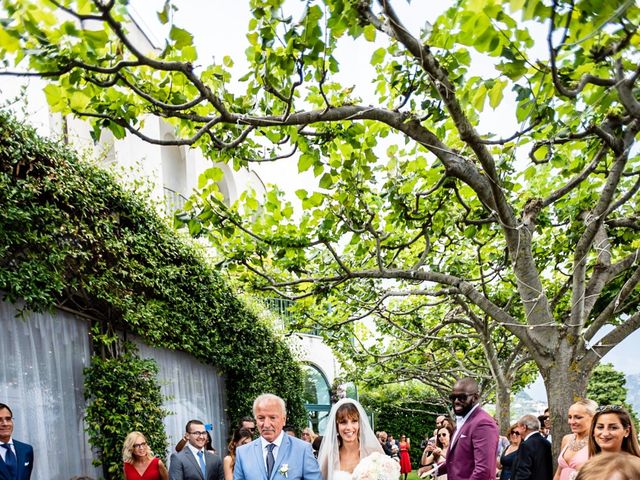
(575, 444)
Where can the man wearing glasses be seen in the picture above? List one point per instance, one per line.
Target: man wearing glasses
(16, 458)
(193, 462)
(472, 450)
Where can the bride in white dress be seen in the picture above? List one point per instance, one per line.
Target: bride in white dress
(348, 440)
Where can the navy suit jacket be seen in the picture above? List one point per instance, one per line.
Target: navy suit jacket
(24, 457)
(294, 455)
(534, 460)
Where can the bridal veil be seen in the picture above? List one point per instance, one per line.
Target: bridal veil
(329, 456)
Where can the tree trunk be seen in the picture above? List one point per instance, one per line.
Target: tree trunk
(503, 409)
(566, 382)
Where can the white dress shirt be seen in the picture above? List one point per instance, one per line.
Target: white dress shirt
(265, 443)
(195, 451)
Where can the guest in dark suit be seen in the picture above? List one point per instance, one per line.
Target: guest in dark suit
(472, 449)
(533, 461)
(16, 458)
(194, 462)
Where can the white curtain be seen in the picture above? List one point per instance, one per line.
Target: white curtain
(193, 391)
(42, 358)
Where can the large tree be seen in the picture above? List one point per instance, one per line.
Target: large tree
(428, 342)
(537, 230)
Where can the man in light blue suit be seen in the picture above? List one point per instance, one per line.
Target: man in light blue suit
(274, 455)
(16, 458)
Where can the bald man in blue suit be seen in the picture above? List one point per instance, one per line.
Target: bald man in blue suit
(16, 458)
(292, 458)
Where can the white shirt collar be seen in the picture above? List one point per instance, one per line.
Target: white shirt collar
(532, 433)
(194, 450)
(277, 441)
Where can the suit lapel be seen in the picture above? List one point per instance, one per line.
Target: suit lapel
(20, 458)
(258, 458)
(464, 428)
(283, 452)
(191, 458)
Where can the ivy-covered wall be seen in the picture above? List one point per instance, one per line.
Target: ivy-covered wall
(71, 236)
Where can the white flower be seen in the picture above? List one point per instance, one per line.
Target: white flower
(284, 470)
(377, 466)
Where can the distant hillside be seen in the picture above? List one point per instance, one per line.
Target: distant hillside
(523, 404)
(633, 391)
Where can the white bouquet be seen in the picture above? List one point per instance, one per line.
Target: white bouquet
(377, 466)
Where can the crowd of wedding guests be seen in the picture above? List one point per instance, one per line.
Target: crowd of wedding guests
(602, 445)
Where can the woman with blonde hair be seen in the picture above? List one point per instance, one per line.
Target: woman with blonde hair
(139, 462)
(308, 435)
(509, 454)
(240, 437)
(574, 449)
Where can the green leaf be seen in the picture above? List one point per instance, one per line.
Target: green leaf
(163, 15)
(252, 203)
(305, 162)
(79, 100)
(181, 37)
(53, 93)
(326, 181)
(8, 42)
(478, 97)
(378, 56)
(369, 33)
(214, 173)
(496, 94)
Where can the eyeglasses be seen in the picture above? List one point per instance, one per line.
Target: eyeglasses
(610, 408)
(514, 433)
(198, 434)
(461, 397)
(139, 445)
(443, 434)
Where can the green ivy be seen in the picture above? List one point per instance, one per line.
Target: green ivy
(70, 235)
(126, 397)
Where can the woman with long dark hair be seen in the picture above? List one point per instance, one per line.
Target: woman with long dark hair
(240, 437)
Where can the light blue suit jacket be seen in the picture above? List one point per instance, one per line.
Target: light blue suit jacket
(293, 452)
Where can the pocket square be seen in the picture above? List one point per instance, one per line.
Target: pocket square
(462, 435)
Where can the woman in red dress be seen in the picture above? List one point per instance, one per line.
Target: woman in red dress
(405, 460)
(139, 462)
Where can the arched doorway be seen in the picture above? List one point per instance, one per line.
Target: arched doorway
(317, 397)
